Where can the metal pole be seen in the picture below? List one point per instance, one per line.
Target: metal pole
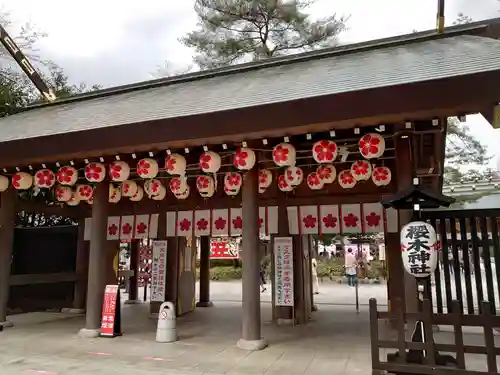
(440, 17)
(357, 295)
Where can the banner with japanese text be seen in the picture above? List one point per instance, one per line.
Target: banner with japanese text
(159, 271)
(110, 319)
(283, 263)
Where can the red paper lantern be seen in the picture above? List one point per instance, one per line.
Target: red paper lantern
(45, 178)
(265, 179)
(361, 170)
(95, 172)
(284, 155)
(314, 181)
(210, 162)
(147, 168)
(346, 179)
(22, 181)
(205, 186)
(381, 176)
(63, 193)
(372, 145)
(84, 192)
(4, 183)
(324, 151)
(119, 171)
(294, 176)
(283, 184)
(326, 173)
(175, 164)
(244, 159)
(129, 188)
(232, 183)
(138, 195)
(67, 175)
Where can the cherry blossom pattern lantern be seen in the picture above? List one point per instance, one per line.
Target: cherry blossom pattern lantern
(162, 193)
(22, 181)
(284, 155)
(326, 173)
(314, 181)
(361, 170)
(419, 248)
(183, 194)
(372, 145)
(265, 179)
(91, 200)
(147, 168)
(244, 159)
(210, 162)
(205, 186)
(84, 192)
(232, 183)
(283, 184)
(4, 183)
(114, 194)
(67, 175)
(45, 178)
(178, 185)
(175, 165)
(346, 179)
(294, 176)
(95, 172)
(129, 188)
(324, 151)
(381, 176)
(119, 171)
(74, 199)
(152, 187)
(63, 193)
(138, 195)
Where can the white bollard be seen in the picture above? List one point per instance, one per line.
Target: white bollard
(166, 330)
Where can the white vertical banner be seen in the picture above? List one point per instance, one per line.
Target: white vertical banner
(283, 263)
(159, 271)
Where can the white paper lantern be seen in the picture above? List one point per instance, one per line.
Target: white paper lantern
(138, 195)
(84, 192)
(152, 187)
(67, 175)
(129, 188)
(178, 185)
(210, 162)
(95, 172)
(184, 194)
(361, 170)
(114, 194)
(314, 182)
(232, 183)
(161, 194)
(175, 164)
(284, 155)
(4, 183)
(74, 200)
(244, 159)
(205, 186)
(45, 178)
(119, 171)
(63, 193)
(372, 145)
(147, 168)
(294, 176)
(346, 179)
(381, 176)
(90, 201)
(324, 151)
(22, 181)
(419, 248)
(283, 184)
(265, 179)
(326, 173)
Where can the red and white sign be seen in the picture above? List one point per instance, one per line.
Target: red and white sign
(236, 224)
(329, 219)
(220, 222)
(185, 223)
(373, 218)
(108, 319)
(159, 271)
(202, 223)
(308, 219)
(127, 228)
(223, 248)
(114, 228)
(351, 218)
(283, 261)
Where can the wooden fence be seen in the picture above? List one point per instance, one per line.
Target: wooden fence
(405, 363)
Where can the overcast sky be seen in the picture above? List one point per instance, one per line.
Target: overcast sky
(113, 42)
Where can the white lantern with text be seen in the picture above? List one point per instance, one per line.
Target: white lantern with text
(381, 176)
(178, 185)
(244, 159)
(114, 194)
(232, 183)
(372, 145)
(314, 182)
(284, 155)
(183, 194)
(361, 170)
(327, 173)
(152, 187)
(63, 193)
(294, 176)
(129, 188)
(67, 175)
(346, 179)
(283, 184)
(162, 193)
(210, 162)
(119, 171)
(95, 172)
(138, 195)
(324, 151)
(265, 179)
(74, 199)
(175, 165)
(45, 178)
(4, 183)
(22, 181)
(147, 168)
(205, 186)
(419, 248)
(84, 192)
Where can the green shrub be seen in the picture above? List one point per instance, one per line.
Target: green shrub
(222, 273)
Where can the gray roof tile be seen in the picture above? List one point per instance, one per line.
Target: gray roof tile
(333, 74)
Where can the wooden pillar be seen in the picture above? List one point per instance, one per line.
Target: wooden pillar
(8, 201)
(82, 269)
(134, 279)
(204, 273)
(97, 261)
(251, 320)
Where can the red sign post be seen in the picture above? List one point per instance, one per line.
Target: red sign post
(111, 317)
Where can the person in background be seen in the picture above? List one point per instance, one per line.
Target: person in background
(262, 278)
(314, 273)
(350, 272)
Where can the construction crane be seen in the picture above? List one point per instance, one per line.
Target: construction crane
(26, 66)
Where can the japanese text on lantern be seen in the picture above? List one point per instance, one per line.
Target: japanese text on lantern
(158, 271)
(283, 263)
(109, 310)
(419, 246)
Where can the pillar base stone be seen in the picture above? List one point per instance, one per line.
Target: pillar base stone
(89, 333)
(252, 345)
(6, 324)
(284, 322)
(73, 311)
(314, 307)
(204, 304)
(133, 302)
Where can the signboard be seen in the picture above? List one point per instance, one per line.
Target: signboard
(381, 251)
(111, 318)
(223, 248)
(419, 247)
(283, 263)
(158, 271)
